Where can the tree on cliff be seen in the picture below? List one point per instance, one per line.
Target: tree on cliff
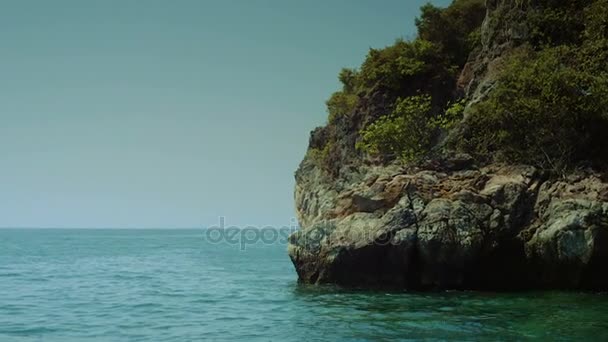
(546, 105)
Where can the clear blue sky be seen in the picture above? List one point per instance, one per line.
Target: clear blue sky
(150, 113)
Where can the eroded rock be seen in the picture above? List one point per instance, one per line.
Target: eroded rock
(499, 227)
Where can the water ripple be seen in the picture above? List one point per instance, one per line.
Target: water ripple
(141, 285)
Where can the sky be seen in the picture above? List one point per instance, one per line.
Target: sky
(170, 114)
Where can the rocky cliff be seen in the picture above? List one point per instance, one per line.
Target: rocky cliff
(450, 221)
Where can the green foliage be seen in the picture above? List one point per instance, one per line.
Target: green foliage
(340, 104)
(594, 50)
(555, 22)
(348, 77)
(548, 107)
(596, 20)
(451, 116)
(429, 65)
(320, 156)
(545, 110)
(451, 28)
(406, 133)
(403, 67)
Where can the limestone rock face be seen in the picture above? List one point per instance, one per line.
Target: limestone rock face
(495, 227)
(570, 239)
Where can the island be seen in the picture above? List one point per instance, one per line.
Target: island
(473, 156)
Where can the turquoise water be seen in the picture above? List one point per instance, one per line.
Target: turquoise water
(171, 285)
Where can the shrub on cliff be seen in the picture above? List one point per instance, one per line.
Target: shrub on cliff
(391, 79)
(545, 110)
(405, 134)
(427, 64)
(555, 22)
(343, 102)
(340, 104)
(320, 156)
(455, 28)
(452, 115)
(405, 68)
(594, 50)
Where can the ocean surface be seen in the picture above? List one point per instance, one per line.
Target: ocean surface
(174, 285)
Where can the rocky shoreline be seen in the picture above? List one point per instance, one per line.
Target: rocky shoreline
(453, 226)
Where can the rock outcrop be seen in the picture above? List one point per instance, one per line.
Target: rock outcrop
(503, 29)
(452, 225)
(449, 223)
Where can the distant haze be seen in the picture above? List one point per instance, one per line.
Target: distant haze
(170, 113)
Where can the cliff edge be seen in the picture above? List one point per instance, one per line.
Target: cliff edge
(448, 216)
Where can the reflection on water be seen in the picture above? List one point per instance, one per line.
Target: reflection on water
(460, 315)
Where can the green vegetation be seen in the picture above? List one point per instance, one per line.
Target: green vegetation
(405, 133)
(452, 115)
(405, 68)
(544, 111)
(391, 81)
(341, 104)
(594, 48)
(320, 156)
(455, 29)
(428, 64)
(555, 22)
(547, 106)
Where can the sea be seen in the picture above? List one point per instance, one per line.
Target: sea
(178, 285)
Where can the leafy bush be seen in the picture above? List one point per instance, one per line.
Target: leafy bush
(452, 28)
(594, 50)
(400, 70)
(429, 64)
(547, 108)
(340, 104)
(349, 79)
(451, 116)
(406, 133)
(556, 22)
(544, 110)
(320, 156)
(596, 20)
(404, 68)
(391, 79)
(343, 103)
